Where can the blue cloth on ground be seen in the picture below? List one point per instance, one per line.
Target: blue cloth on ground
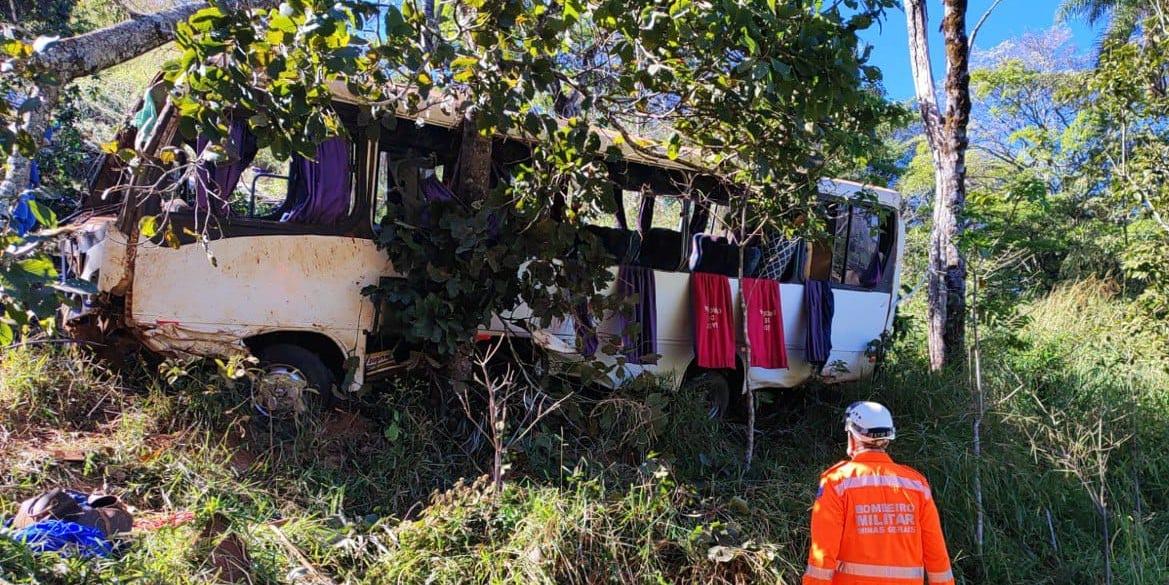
(65, 537)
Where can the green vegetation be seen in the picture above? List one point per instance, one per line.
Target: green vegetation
(1067, 240)
(633, 487)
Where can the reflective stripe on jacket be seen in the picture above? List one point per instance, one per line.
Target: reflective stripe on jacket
(875, 521)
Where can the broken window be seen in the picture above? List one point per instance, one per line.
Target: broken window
(247, 183)
(408, 181)
(859, 249)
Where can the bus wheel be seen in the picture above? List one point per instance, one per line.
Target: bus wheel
(293, 382)
(714, 390)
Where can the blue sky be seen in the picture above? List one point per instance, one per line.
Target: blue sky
(1010, 19)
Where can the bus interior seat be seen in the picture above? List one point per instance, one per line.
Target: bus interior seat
(718, 256)
(623, 245)
(661, 249)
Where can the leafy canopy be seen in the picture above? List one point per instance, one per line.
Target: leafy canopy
(758, 95)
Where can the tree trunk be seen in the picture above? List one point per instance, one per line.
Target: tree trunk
(474, 184)
(16, 180)
(87, 54)
(947, 139)
(474, 163)
(748, 392)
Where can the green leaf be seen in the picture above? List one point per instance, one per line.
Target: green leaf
(6, 334)
(148, 226)
(394, 23)
(16, 49)
(44, 215)
(206, 19)
(409, 10)
(464, 61)
(572, 10)
(752, 46)
(40, 267)
(282, 24)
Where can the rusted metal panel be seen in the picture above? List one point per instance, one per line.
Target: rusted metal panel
(172, 338)
(186, 302)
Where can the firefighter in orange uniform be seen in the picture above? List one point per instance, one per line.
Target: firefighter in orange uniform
(874, 521)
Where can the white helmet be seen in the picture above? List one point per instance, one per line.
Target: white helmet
(869, 422)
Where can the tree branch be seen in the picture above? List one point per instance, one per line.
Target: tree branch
(89, 53)
(981, 21)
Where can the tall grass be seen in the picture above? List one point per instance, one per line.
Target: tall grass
(630, 487)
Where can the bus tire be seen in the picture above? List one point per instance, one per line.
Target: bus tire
(293, 380)
(715, 391)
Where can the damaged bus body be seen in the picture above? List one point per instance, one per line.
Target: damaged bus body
(282, 279)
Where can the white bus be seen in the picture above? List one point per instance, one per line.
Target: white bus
(285, 283)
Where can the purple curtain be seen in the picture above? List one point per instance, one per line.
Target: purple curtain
(216, 182)
(434, 191)
(638, 282)
(819, 306)
(323, 185)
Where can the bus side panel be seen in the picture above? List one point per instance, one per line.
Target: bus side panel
(181, 301)
(859, 319)
(675, 334)
(795, 324)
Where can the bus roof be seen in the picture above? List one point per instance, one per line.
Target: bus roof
(442, 113)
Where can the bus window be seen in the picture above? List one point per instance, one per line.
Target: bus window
(663, 246)
(658, 241)
(824, 257)
(820, 266)
(667, 213)
(385, 190)
(316, 192)
(858, 251)
(401, 178)
(862, 264)
(262, 189)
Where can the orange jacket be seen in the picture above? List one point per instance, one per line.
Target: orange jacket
(875, 522)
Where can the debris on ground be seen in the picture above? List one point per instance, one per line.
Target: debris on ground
(65, 537)
(150, 522)
(306, 573)
(71, 522)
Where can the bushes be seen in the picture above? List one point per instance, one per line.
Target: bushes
(635, 486)
(1076, 400)
(651, 531)
(54, 387)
